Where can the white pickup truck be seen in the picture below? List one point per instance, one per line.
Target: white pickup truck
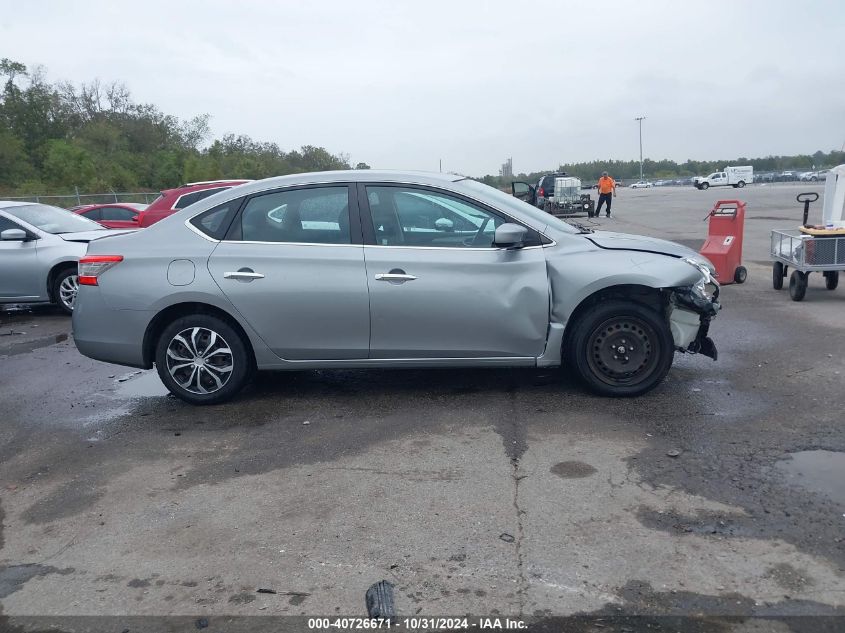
(736, 177)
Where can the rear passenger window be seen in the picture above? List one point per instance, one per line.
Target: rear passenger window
(215, 222)
(314, 216)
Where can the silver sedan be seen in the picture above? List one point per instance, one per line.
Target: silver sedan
(39, 249)
(386, 269)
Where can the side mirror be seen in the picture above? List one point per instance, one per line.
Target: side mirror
(510, 236)
(13, 235)
(134, 219)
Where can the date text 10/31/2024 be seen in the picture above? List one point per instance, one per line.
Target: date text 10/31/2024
(417, 624)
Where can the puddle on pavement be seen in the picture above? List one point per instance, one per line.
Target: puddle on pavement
(28, 346)
(822, 472)
(146, 385)
(572, 470)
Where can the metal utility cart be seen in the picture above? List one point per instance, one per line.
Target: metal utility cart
(806, 250)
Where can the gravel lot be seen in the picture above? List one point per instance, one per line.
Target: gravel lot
(494, 491)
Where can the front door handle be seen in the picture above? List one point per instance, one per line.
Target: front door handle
(244, 274)
(397, 278)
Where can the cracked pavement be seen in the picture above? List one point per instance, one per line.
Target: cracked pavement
(117, 499)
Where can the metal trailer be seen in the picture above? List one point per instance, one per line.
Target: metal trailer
(568, 199)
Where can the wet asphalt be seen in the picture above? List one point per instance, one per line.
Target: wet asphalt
(510, 492)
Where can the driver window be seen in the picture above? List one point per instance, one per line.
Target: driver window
(419, 217)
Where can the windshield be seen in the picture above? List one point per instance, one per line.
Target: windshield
(52, 219)
(507, 202)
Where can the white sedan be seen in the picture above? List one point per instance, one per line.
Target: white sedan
(642, 184)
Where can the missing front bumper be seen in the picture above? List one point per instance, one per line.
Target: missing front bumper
(689, 318)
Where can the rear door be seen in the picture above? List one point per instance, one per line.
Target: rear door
(438, 286)
(293, 266)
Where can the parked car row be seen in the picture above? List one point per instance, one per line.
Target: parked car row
(125, 215)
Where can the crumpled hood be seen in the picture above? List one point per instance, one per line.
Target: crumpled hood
(89, 236)
(626, 242)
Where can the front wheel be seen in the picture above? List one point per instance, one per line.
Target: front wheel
(740, 274)
(797, 285)
(201, 359)
(621, 348)
(705, 186)
(65, 288)
(778, 274)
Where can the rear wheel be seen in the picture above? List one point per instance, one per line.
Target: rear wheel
(797, 285)
(201, 359)
(740, 274)
(65, 287)
(778, 274)
(621, 348)
(831, 279)
(740, 184)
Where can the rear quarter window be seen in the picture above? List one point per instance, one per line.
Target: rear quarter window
(215, 222)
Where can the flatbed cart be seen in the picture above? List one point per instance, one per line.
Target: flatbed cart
(807, 250)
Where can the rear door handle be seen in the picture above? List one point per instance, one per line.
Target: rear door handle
(394, 277)
(243, 275)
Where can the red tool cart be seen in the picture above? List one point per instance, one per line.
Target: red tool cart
(724, 241)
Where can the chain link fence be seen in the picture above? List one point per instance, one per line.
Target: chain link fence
(77, 199)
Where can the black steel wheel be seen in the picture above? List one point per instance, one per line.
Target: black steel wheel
(778, 273)
(740, 274)
(621, 348)
(831, 279)
(797, 285)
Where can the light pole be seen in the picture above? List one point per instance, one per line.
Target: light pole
(640, 120)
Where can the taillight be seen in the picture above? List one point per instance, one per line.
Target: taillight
(541, 192)
(92, 266)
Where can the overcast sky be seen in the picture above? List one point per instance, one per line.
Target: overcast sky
(401, 85)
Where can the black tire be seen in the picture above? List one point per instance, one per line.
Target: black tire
(740, 274)
(797, 285)
(740, 184)
(642, 333)
(705, 186)
(65, 287)
(200, 327)
(831, 279)
(777, 275)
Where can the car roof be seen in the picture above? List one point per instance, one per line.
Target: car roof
(351, 175)
(8, 204)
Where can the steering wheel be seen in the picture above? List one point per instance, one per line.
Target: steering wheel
(476, 239)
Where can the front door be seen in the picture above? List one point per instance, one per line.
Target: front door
(438, 286)
(523, 191)
(20, 276)
(294, 269)
(118, 218)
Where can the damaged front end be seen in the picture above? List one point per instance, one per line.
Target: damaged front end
(690, 310)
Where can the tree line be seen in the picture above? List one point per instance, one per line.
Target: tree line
(56, 137)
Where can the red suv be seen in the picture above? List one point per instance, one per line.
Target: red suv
(171, 200)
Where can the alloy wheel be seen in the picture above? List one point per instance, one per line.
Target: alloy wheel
(199, 360)
(67, 291)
